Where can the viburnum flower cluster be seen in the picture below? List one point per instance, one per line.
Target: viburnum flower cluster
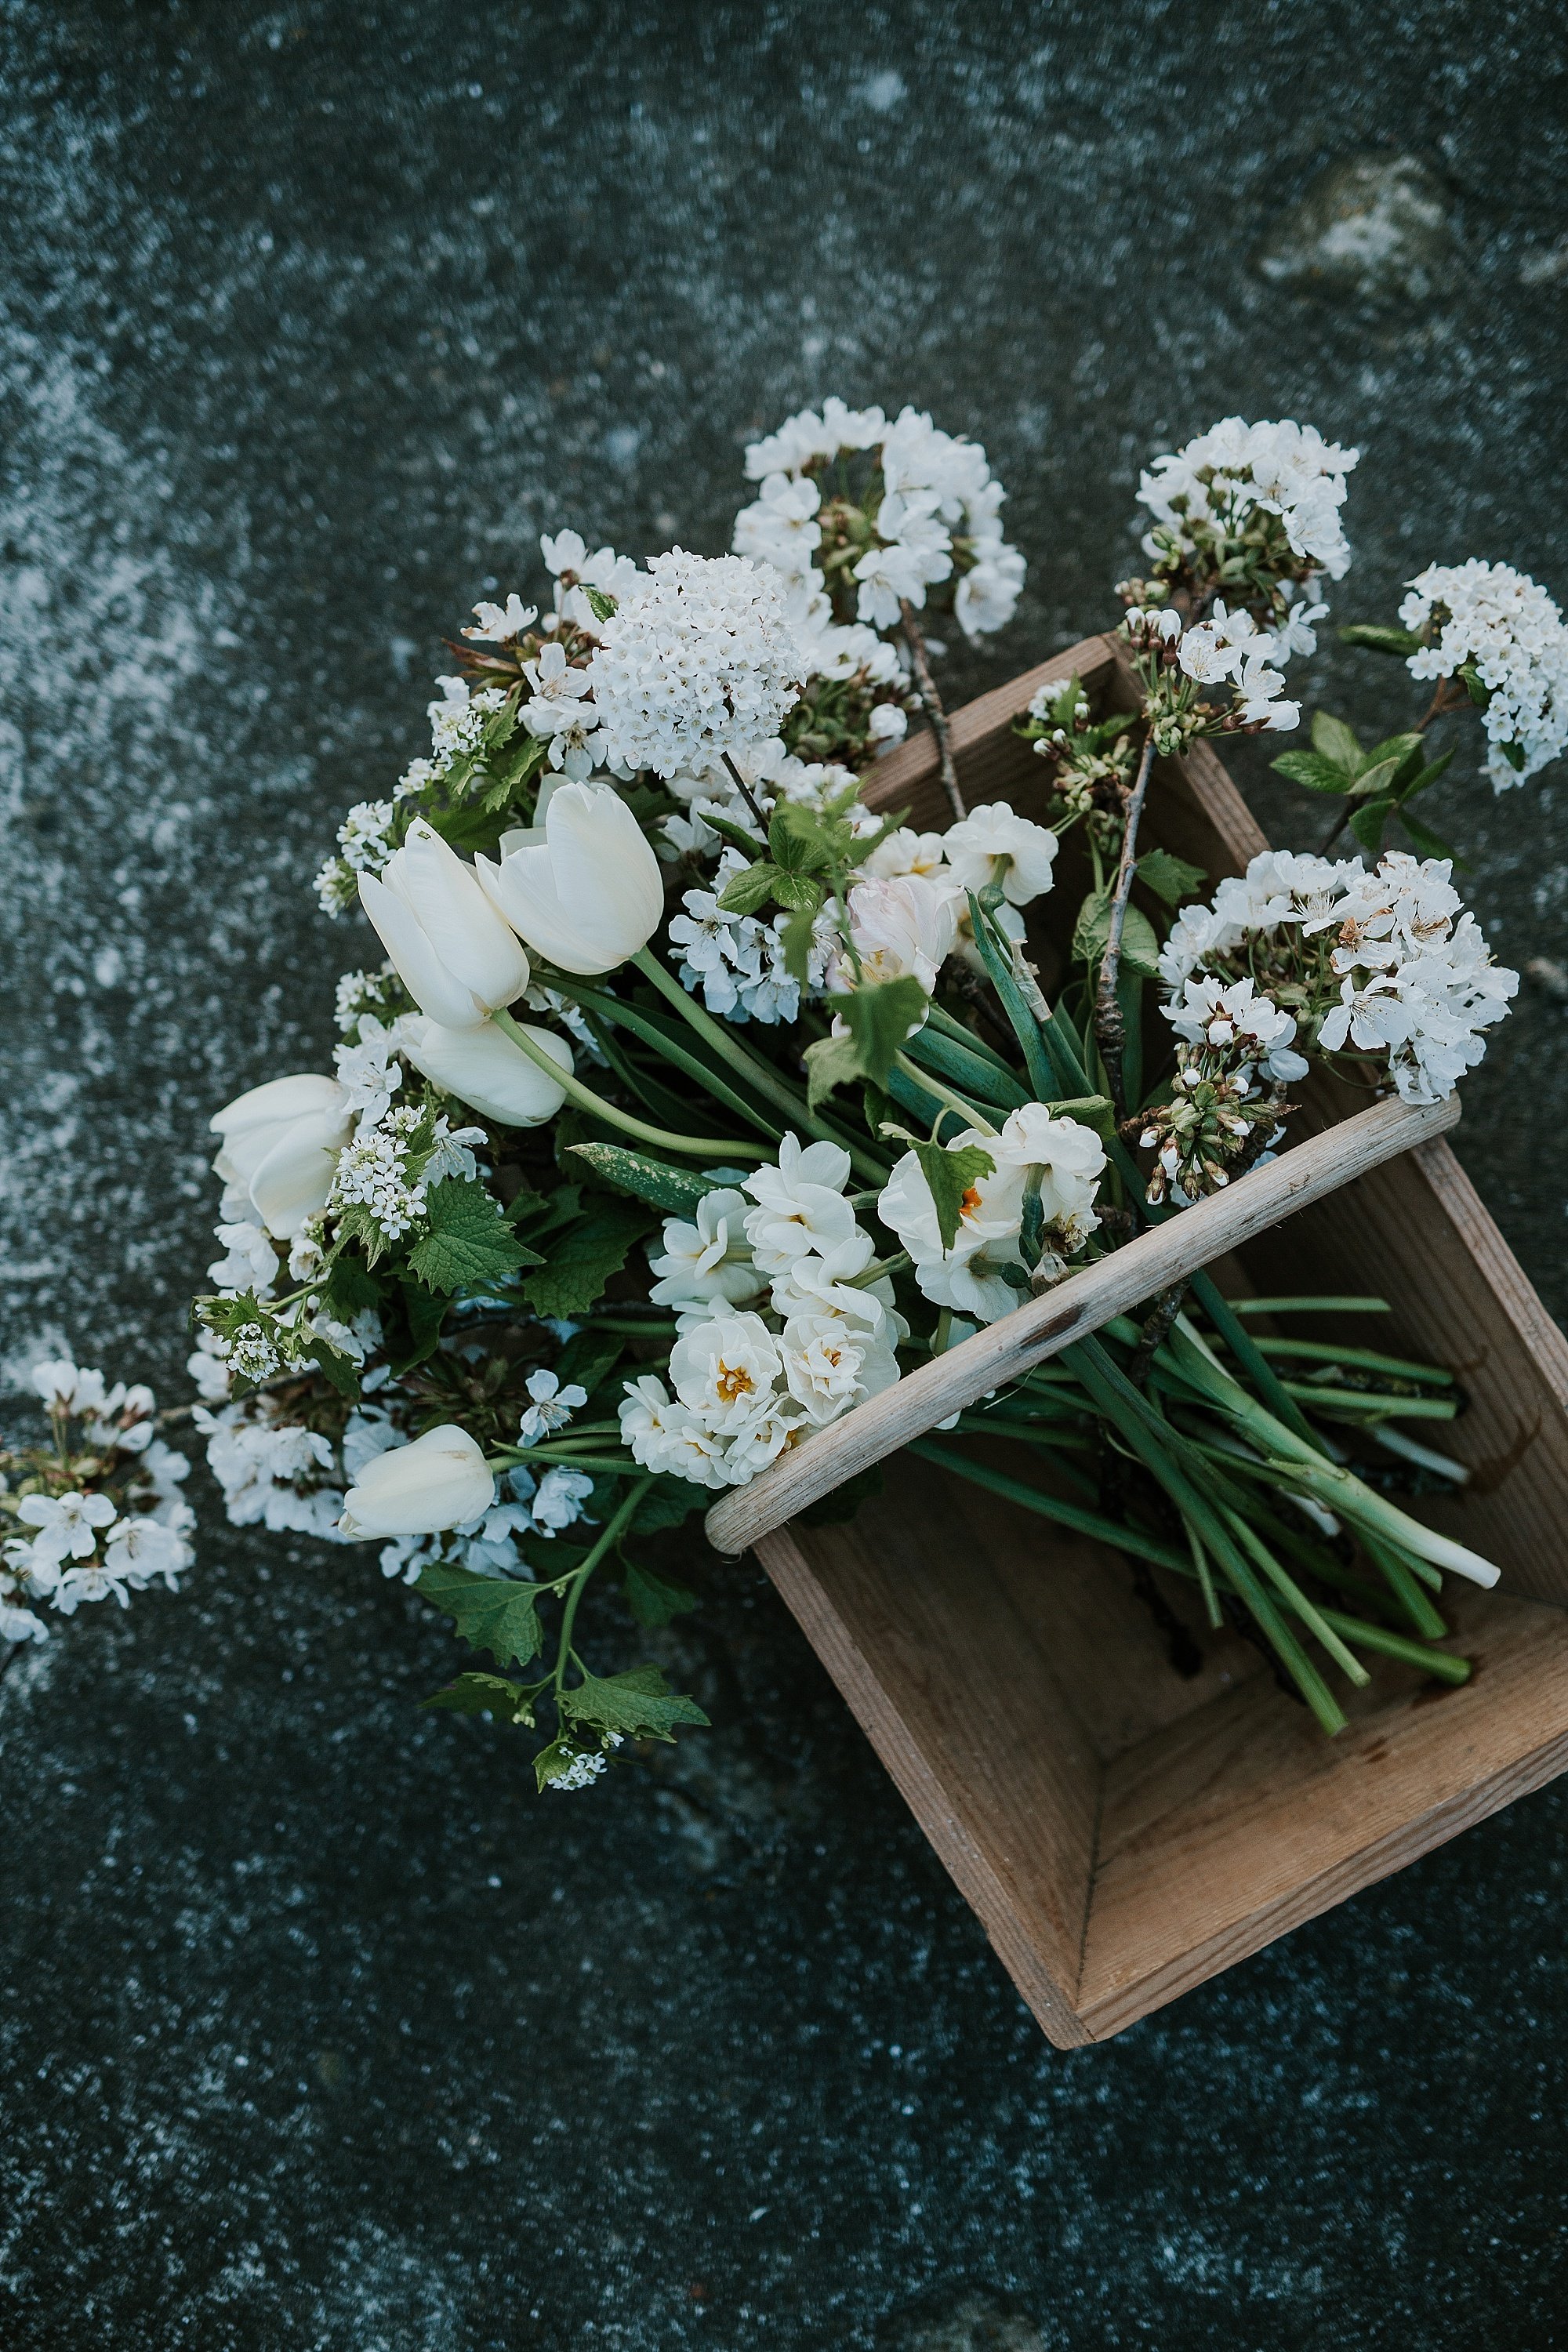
(96, 1514)
(1488, 619)
(697, 661)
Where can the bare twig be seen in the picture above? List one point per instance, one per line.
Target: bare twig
(747, 795)
(933, 710)
(1108, 1025)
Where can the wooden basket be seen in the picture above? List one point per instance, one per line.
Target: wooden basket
(1123, 1833)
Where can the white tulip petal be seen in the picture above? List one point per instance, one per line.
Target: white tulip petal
(484, 1069)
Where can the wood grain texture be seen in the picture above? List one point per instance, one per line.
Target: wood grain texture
(1123, 1835)
(1111, 1285)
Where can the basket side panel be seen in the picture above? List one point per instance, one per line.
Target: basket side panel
(909, 1615)
(1236, 1823)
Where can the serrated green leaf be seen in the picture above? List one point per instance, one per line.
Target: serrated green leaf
(333, 1365)
(1378, 639)
(493, 1613)
(469, 1242)
(1170, 878)
(951, 1175)
(349, 1288)
(640, 1703)
(1313, 772)
(1376, 779)
(830, 1061)
(746, 891)
(1402, 750)
(676, 1190)
(1334, 740)
(880, 1018)
(583, 1257)
(1368, 821)
(485, 1695)
(654, 1600)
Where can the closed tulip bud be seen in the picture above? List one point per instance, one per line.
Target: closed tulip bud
(438, 1482)
(486, 1070)
(586, 890)
(458, 960)
(281, 1145)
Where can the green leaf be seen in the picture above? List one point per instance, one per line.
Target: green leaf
(950, 1176)
(667, 1503)
(1335, 740)
(735, 834)
(745, 892)
(1514, 754)
(1404, 750)
(341, 1370)
(799, 935)
(493, 1613)
(1368, 821)
(589, 1358)
(1311, 770)
(1375, 778)
(1379, 639)
(601, 606)
(1429, 844)
(653, 1599)
(799, 894)
(640, 1704)
(1170, 878)
(584, 1257)
(426, 1312)
(469, 1242)
(878, 1019)
(1091, 935)
(674, 1189)
(833, 1509)
(349, 1290)
(1424, 776)
(1480, 694)
(485, 1695)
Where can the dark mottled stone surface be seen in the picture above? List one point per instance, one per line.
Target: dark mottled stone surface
(316, 2030)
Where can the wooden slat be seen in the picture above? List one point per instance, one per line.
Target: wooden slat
(1111, 1285)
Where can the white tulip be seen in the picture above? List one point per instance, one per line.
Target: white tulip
(483, 1068)
(451, 948)
(280, 1146)
(995, 844)
(584, 890)
(438, 1482)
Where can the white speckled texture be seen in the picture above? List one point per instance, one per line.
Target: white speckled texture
(316, 2030)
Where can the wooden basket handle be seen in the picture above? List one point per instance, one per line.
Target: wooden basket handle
(1004, 1352)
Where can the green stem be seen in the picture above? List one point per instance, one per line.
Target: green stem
(944, 1095)
(612, 1535)
(755, 1071)
(701, 1147)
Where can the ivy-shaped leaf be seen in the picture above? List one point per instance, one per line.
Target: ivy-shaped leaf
(640, 1704)
(583, 1258)
(654, 1600)
(469, 1242)
(493, 1613)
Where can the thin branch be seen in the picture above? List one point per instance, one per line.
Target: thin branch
(747, 795)
(933, 710)
(1108, 1025)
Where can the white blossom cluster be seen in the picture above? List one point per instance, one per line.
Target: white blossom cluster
(1497, 621)
(699, 659)
(379, 993)
(1387, 963)
(1284, 468)
(940, 511)
(1230, 649)
(779, 1330)
(738, 960)
(984, 1275)
(81, 1543)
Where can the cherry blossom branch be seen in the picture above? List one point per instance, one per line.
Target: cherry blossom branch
(935, 711)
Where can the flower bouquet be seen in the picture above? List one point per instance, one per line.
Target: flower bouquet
(696, 1102)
